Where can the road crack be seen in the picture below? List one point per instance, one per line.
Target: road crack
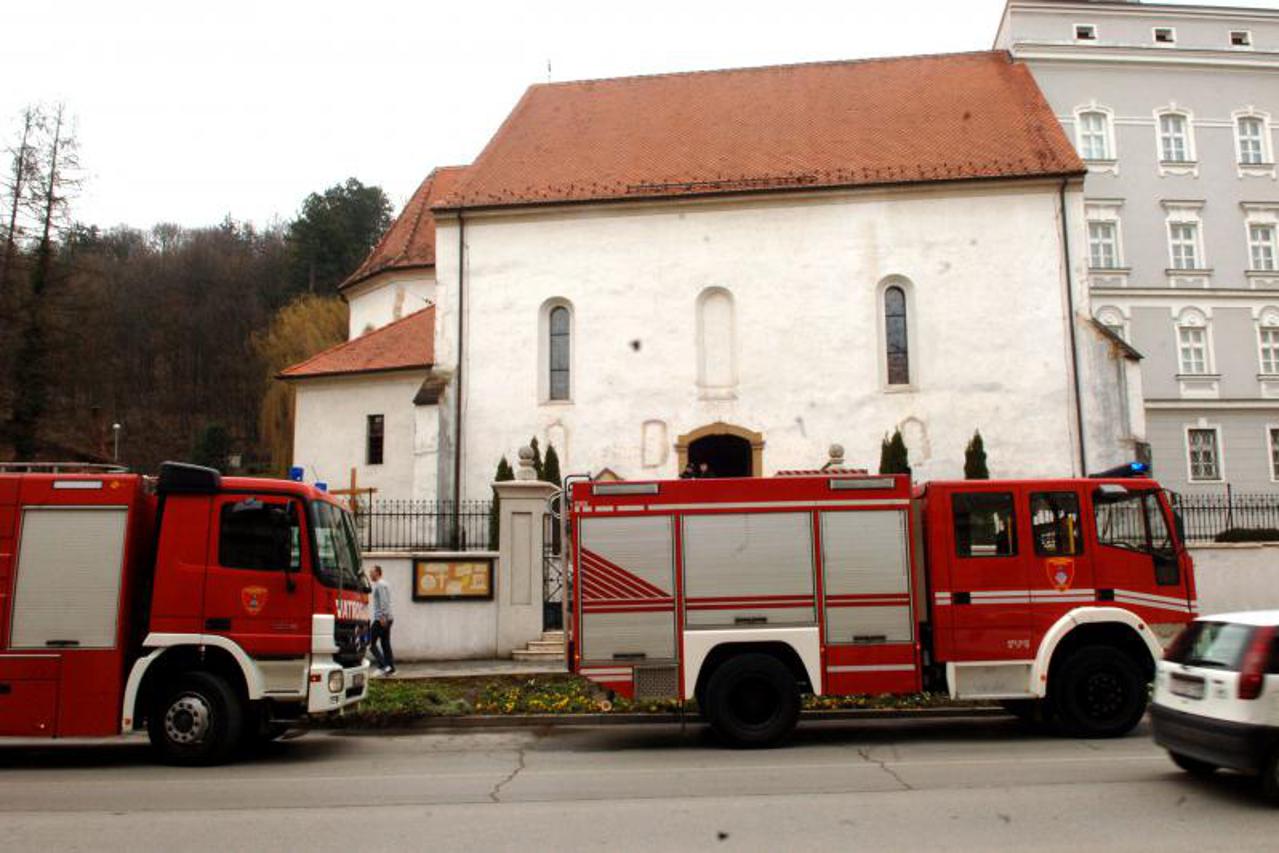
(883, 765)
(495, 794)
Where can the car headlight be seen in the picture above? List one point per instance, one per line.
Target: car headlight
(336, 681)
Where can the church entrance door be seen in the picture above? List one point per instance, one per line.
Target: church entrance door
(723, 455)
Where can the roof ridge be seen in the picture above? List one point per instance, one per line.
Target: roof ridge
(773, 67)
(365, 336)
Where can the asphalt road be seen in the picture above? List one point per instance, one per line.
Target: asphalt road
(878, 785)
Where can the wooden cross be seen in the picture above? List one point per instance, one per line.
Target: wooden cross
(354, 492)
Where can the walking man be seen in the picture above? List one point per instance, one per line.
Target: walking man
(381, 629)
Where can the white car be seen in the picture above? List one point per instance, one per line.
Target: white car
(1217, 696)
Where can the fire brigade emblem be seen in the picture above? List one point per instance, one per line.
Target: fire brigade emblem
(254, 599)
(1061, 573)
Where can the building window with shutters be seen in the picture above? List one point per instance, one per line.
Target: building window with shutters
(374, 438)
(896, 336)
(1203, 447)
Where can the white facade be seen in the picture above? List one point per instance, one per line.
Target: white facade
(387, 297)
(331, 417)
(766, 313)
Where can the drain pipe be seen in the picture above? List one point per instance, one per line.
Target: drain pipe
(457, 375)
(1070, 322)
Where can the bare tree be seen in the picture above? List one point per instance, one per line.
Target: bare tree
(56, 180)
(17, 186)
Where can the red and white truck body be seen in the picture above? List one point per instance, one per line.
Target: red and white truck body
(206, 609)
(860, 584)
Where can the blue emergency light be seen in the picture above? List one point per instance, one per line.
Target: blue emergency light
(297, 473)
(324, 487)
(1130, 469)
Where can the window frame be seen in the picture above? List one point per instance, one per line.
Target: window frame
(544, 352)
(1116, 258)
(1183, 365)
(292, 504)
(370, 436)
(1104, 132)
(1079, 521)
(1244, 44)
(1271, 245)
(1172, 35)
(1091, 29)
(1193, 242)
(557, 340)
(1218, 449)
(1012, 524)
(890, 320)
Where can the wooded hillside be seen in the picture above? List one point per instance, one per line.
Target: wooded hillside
(173, 333)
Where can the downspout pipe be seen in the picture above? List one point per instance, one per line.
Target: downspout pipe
(457, 375)
(1070, 322)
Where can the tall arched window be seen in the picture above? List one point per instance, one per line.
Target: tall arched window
(897, 349)
(558, 349)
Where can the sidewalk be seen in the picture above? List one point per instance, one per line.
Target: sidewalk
(415, 670)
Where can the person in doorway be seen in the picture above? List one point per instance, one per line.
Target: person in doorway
(380, 644)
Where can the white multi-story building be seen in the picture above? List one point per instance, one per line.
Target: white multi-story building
(739, 267)
(1174, 109)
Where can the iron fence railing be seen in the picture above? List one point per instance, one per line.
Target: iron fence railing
(421, 525)
(1217, 516)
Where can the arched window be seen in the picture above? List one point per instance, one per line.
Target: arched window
(896, 345)
(558, 339)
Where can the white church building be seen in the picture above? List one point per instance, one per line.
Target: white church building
(735, 267)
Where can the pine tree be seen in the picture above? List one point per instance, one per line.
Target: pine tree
(551, 466)
(504, 473)
(894, 458)
(975, 459)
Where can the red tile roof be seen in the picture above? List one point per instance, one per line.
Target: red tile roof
(859, 123)
(410, 241)
(404, 344)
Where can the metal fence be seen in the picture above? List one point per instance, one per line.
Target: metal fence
(1208, 516)
(419, 525)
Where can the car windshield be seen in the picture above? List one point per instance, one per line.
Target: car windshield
(1219, 645)
(337, 550)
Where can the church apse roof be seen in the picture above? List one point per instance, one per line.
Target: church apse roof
(858, 123)
(410, 241)
(405, 344)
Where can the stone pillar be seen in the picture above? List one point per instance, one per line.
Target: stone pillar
(519, 566)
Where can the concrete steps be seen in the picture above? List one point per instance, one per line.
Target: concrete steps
(549, 648)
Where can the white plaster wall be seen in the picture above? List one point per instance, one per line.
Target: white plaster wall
(1236, 577)
(989, 346)
(330, 424)
(434, 630)
(387, 297)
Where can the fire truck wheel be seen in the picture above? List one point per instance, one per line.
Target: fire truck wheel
(1098, 692)
(752, 701)
(197, 720)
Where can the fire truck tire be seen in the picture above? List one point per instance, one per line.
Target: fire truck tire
(752, 701)
(197, 721)
(1028, 711)
(1098, 692)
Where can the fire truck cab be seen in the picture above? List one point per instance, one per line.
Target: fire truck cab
(1051, 596)
(211, 612)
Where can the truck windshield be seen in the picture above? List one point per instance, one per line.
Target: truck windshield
(1132, 520)
(337, 551)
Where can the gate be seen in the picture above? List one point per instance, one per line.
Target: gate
(553, 573)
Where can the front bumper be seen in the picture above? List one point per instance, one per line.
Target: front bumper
(1239, 746)
(322, 699)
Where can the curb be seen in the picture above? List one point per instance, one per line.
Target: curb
(518, 721)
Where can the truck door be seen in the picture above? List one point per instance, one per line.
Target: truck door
(255, 591)
(989, 595)
(1138, 560)
(1061, 574)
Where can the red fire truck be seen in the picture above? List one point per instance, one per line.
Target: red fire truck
(211, 611)
(1052, 596)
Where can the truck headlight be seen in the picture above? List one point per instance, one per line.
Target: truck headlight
(336, 681)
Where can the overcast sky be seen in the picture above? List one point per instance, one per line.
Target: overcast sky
(188, 112)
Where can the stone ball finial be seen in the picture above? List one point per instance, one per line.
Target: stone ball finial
(524, 468)
(836, 456)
